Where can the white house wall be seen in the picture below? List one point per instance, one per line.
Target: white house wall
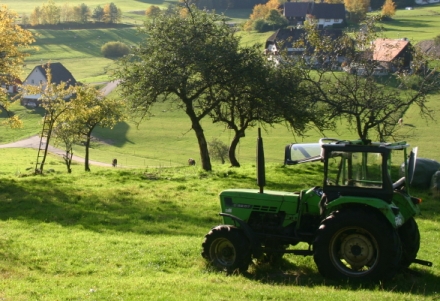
(422, 2)
(329, 22)
(35, 78)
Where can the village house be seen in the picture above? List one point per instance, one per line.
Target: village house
(384, 56)
(424, 2)
(38, 76)
(323, 14)
(11, 86)
(292, 40)
(392, 54)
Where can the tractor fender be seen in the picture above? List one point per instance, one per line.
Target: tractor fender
(250, 234)
(388, 210)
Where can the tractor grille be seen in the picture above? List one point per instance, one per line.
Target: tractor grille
(264, 208)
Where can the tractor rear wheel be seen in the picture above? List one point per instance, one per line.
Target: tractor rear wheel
(227, 248)
(410, 238)
(357, 244)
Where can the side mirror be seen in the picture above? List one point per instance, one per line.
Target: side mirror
(412, 165)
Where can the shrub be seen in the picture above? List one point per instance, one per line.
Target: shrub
(218, 150)
(437, 40)
(115, 49)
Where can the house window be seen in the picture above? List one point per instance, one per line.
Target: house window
(32, 81)
(41, 81)
(336, 20)
(327, 20)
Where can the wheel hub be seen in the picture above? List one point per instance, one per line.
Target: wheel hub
(223, 252)
(357, 250)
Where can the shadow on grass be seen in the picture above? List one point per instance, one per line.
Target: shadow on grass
(412, 281)
(118, 134)
(409, 23)
(118, 207)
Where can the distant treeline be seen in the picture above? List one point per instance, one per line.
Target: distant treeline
(225, 4)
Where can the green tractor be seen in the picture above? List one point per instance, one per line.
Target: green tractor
(358, 225)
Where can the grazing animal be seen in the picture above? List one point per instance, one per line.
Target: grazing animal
(400, 121)
(115, 162)
(191, 161)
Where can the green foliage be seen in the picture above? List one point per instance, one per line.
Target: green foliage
(187, 57)
(115, 49)
(218, 150)
(437, 40)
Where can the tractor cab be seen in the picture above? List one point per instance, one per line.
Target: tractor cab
(355, 168)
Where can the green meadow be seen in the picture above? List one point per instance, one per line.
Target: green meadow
(135, 232)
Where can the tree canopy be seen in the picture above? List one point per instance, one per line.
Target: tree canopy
(13, 41)
(371, 104)
(183, 59)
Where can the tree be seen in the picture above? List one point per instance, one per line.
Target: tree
(112, 14)
(66, 13)
(275, 19)
(98, 13)
(82, 13)
(357, 9)
(218, 150)
(66, 134)
(114, 49)
(50, 13)
(388, 9)
(259, 12)
(54, 100)
(25, 20)
(437, 40)
(369, 104)
(90, 109)
(14, 40)
(35, 16)
(153, 11)
(183, 60)
(265, 94)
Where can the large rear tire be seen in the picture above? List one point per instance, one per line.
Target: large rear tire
(227, 249)
(357, 244)
(410, 238)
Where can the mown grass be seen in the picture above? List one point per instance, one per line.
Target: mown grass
(135, 234)
(417, 25)
(117, 234)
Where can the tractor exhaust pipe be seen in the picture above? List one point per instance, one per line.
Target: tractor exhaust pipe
(261, 172)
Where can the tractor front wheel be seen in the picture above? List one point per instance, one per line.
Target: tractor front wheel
(227, 248)
(357, 244)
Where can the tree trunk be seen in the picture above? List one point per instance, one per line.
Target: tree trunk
(46, 147)
(203, 145)
(86, 159)
(233, 147)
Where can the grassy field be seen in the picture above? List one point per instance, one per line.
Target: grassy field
(136, 234)
(117, 234)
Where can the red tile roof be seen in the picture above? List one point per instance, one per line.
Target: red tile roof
(385, 50)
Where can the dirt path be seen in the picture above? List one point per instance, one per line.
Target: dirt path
(34, 142)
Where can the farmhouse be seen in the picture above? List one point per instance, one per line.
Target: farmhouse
(323, 14)
(293, 40)
(12, 85)
(39, 76)
(392, 54)
(423, 2)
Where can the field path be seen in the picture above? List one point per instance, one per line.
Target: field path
(34, 142)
